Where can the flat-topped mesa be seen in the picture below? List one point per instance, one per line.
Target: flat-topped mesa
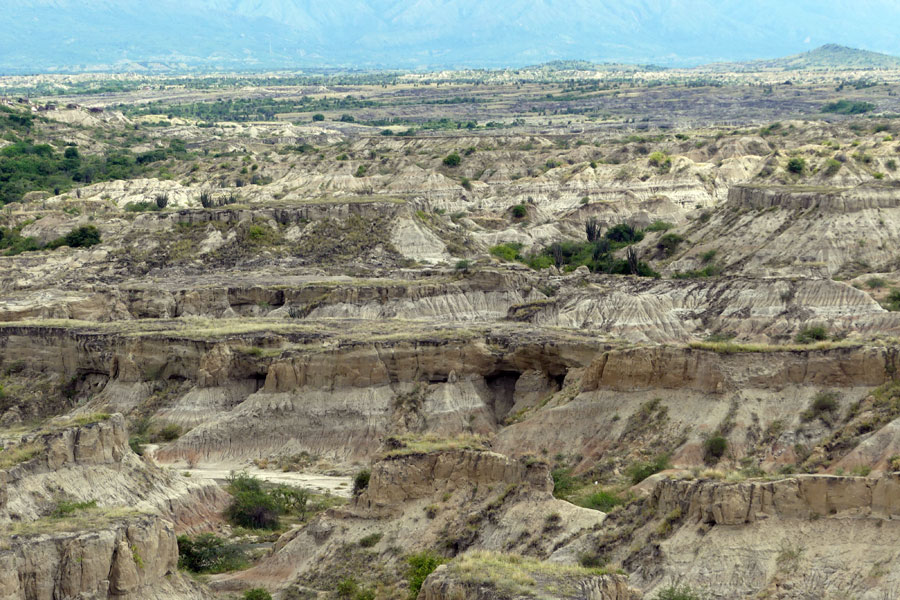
(830, 199)
(413, 475)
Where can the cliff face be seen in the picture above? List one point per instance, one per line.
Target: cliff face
(93, 462)
(121, 543)
(812, 232)
(135, 558)
(802, 537)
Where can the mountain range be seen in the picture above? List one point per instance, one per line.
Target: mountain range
(74, 35)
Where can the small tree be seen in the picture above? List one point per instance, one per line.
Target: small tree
(714, 448)
(361, 481)
(519, 211)
(162, 200)
(592, 229)
(452, 160)
(206, 199)
(318, 117)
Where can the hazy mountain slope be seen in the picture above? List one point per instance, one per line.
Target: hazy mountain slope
(279, 33)
(829, 56)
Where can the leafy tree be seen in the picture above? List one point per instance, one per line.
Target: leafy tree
(452, 160)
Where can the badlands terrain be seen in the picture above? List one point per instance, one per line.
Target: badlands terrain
(563, 332)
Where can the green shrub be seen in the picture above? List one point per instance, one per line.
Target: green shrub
(603, 500)
(508, 251)
(361, 481)
(624, 233)
(846, 107)
(678, 593)
(421, 565)
(714, 448)
(257, 594)
(170, 432)
(892, 302)
(659, 226)
(668, 243)
(519, 211)
(347, 588)
(824, 402)
(65, 508)
(660, 160)
(142, 206)
(814, 333)
(563, 482)
(639, 471)
(361, 171)
(290, 500)
(832, 166)
(137, 443)
(463, 265)
(796, 165)
(370, 540)
(318, 117)
(452, 160)
(208, 553)
(81, 237)
(708, 256)
(162, 201)
(876, 282)
(251, 507)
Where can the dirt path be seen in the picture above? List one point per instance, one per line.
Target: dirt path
(336, 485)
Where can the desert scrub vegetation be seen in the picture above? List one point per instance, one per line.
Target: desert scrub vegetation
(420, 566)
(28, 166)
(66, 508)
(682, 592)
(597, 255)
(255, 507)
(661, 161)
(147, 431)
(812, 333)
(208, 553)
(714, 448)
(12, 242)
(14, 455)
(848, 107)
(361, 481)
(641, 470)
(332, 240)
(824, 404)
(512, 575)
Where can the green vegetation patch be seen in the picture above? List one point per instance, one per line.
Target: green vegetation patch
(848, 107)
(425, 443)
(512, 575)
(596, 254)
(208, 553)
